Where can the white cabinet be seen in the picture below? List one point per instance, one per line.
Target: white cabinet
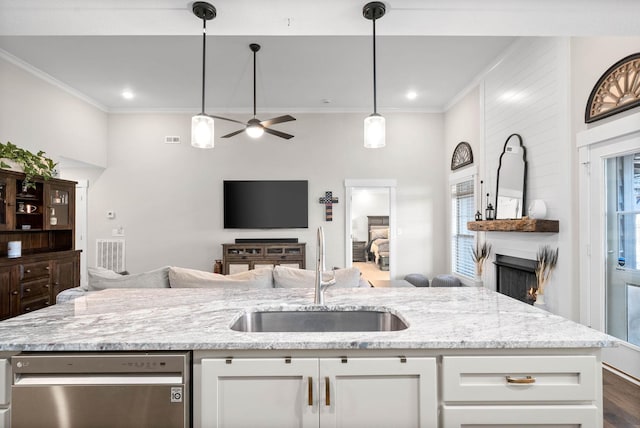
(378, 392)
(5, 392)
(318, 392)
(509, 391)
(259, 392)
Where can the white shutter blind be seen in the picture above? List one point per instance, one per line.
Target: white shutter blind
(462, 211)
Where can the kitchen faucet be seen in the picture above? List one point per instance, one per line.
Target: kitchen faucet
(321, 285)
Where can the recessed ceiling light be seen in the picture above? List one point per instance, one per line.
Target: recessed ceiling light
(127, 95)
(412, 95)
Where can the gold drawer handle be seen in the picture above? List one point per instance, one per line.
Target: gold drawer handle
(310, 391)
(327, 396)
(521, 380)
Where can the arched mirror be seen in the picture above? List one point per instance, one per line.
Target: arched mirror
(512, 179)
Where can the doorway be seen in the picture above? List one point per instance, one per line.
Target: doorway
(610, 237)
(370, 229)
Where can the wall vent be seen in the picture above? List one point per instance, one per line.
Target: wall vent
(169, 139)
(110, 254)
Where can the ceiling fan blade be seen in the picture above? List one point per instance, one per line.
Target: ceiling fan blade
(279, 119)
(278, 133)
(233, 134)
(224, 118)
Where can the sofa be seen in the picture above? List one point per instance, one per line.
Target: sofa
(178, 277)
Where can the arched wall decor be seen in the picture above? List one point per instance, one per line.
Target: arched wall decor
(462, 156)
(616, 91)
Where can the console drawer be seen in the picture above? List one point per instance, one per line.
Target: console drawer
(34, 305)
(519, 378)
(33, 289)
(29, 271)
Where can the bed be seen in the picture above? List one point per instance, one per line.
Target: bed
(378, 244)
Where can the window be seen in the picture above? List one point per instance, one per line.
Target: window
(462, 240)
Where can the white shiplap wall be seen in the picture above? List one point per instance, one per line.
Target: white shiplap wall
(527, 93)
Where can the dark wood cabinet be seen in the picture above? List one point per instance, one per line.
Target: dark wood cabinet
(32, 282)
(42, 219)
(243, 257)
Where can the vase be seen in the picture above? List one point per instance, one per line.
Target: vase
(540, 302)
(477, 281)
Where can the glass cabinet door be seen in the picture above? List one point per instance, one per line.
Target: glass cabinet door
(7, 206)
(60, 207)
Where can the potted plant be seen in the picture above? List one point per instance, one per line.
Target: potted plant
(31, 164)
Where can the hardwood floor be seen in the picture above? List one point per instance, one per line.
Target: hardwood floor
(621, 401)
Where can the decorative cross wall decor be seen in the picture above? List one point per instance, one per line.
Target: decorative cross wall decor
(328, 202)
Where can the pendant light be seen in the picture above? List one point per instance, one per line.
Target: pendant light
(374, 124)
(202, 125)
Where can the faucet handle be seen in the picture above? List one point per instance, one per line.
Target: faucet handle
(332, 278)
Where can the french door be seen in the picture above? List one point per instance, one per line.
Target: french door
(610, 243)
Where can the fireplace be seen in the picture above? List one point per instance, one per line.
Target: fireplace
(515, 277)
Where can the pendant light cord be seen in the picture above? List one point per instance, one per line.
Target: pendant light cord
(204, 57)
(374, 68)
(254, 84)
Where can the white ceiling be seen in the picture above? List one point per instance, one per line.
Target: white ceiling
(315, 56)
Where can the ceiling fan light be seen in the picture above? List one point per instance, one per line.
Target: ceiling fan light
(202, 131)
(255, 131)
(374, 131)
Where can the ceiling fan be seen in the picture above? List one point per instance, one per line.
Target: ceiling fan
(256, 127)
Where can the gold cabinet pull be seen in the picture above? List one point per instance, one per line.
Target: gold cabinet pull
(521, 380)
(327, 395)
(310, 394)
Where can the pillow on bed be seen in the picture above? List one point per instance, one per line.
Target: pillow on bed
(101, 279)
(191, 278)
(284, 277)
(379, 233)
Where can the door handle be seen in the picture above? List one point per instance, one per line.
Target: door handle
(327, 395)
(310, 393)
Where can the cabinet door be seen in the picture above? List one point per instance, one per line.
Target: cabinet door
(5, 293)
(7, 202)
(60, 201)
(64, 276)
(521, 416)
(257, 392)
(378, 392)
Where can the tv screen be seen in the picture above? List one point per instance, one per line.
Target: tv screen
(262, 204)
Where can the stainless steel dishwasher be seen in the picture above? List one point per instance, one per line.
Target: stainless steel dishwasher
(77, 390)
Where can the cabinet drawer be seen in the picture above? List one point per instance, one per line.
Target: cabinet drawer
(519, 416)
(34, 305)
(31, 271)
(33, 289)
(519, 378)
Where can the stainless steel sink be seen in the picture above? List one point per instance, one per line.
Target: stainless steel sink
(318, 321)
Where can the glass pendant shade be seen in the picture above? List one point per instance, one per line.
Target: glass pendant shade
(202, 131)
(374, 131)
(255, 131)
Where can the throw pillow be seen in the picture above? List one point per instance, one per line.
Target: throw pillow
(101, 279)
(191, 278)
(284, 277)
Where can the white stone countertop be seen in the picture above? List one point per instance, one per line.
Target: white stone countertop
(199, 319)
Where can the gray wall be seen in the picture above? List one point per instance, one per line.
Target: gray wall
(168, 198)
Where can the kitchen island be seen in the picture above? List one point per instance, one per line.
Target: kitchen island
(468, 355)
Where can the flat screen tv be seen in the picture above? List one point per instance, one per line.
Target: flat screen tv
(264, 204)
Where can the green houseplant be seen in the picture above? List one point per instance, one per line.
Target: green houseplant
(32, 164)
